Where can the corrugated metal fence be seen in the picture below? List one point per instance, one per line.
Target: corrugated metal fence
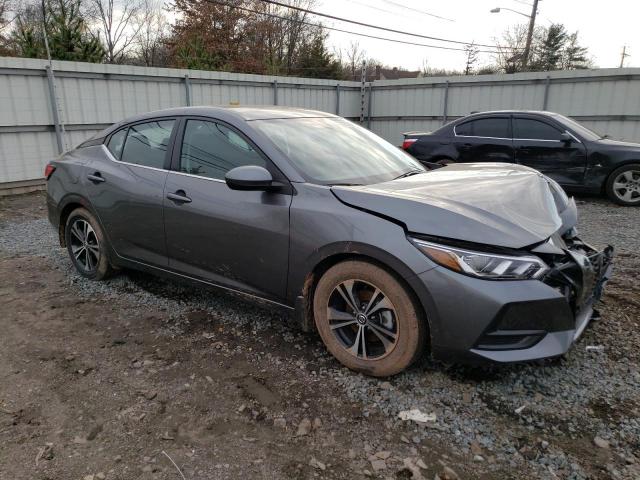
(86, 98)
(606, 100)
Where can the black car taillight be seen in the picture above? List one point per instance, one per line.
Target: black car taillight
(408, 142)
(48, 170)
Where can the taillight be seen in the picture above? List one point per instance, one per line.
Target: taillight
(408, 142)
(48, 170)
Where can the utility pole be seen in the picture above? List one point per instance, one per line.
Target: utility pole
(61, 137)
(532, 24)
(624, 54)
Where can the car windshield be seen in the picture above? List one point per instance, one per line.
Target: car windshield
(332, 151)
(580, 129)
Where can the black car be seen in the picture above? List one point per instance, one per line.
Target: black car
(561, 148)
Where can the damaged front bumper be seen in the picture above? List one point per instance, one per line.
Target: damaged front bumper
(525, 320)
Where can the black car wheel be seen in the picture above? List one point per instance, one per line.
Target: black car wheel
(623, 185)
(367, 319)
(87, 245)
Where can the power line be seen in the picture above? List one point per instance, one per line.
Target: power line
(398, 13)
(272, 15)
(362, 24)
(419, 11)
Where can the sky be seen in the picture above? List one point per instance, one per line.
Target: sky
(603, 27)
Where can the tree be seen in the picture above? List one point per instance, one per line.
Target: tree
(5, 8)
(547, 53)
(552, 48)
(428, 71)
(355, 57)
(510, 47)
(575, 57)
(116, 23)
(316, 61)
(472, 57)
(67, 32)
(153, 31)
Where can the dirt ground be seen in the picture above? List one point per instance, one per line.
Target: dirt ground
(102, 385)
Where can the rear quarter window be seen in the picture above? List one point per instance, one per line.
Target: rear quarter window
(116, 142)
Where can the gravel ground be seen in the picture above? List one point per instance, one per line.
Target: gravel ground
(576, 417)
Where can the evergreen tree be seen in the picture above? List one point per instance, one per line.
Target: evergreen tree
(574, 56)
(316, 61)
(67, 32)
(548, 53)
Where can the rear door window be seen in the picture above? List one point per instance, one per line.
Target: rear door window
(497, 127)
(530, 129)
(147, 143)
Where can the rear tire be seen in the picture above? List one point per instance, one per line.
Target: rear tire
(623, 185)
(87, 245)
(385, 332)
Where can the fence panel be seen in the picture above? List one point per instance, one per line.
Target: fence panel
(92, 96)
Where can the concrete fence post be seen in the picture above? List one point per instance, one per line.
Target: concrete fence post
(338, 99)
(547, 84)
(369, 105)
(275, 92)
(54, 109)
(446, 103)
(187, 89)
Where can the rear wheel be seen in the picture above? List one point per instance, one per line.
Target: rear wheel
(367, 319)
(623, 185)
(87, 245)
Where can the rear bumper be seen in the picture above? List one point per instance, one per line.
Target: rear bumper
(475, 320)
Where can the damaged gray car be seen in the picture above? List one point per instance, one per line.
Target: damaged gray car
(321, 218)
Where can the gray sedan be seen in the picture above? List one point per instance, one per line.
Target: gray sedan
(321, 218)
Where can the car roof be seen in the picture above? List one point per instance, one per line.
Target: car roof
(243, 113)
(503, 112)
(224, 113)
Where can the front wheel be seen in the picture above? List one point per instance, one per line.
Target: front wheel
(623, 185)
(367, 319)
(87, 245)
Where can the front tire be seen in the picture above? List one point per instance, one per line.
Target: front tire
(87, 245)
(367, 319)
(623, 185)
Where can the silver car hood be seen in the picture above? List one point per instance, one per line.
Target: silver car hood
(489, 203)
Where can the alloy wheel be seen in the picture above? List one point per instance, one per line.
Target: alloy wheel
(84, 245)
(363, 319)
(626, 186)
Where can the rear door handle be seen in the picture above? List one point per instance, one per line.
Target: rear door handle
(96, 177)
(179, 197)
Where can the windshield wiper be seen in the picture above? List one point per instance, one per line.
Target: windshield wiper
(409, 174)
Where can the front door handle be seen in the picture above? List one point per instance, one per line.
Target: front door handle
(96, 177)
(179, 197)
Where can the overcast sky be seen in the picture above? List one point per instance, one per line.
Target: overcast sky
(603, 26)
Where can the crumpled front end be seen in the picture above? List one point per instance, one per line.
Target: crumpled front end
(548, 327)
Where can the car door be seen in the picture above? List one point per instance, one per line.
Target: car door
(485, 139)
(539, 144)
(126, 189)
(237, 239)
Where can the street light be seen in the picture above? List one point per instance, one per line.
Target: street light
(532, 22)
(497, 10)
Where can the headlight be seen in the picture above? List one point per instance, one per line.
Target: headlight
(483, 265)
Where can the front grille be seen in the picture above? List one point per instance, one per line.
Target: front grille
(577, 275)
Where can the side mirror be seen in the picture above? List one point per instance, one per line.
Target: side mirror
(566, 138)
(249, 177)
